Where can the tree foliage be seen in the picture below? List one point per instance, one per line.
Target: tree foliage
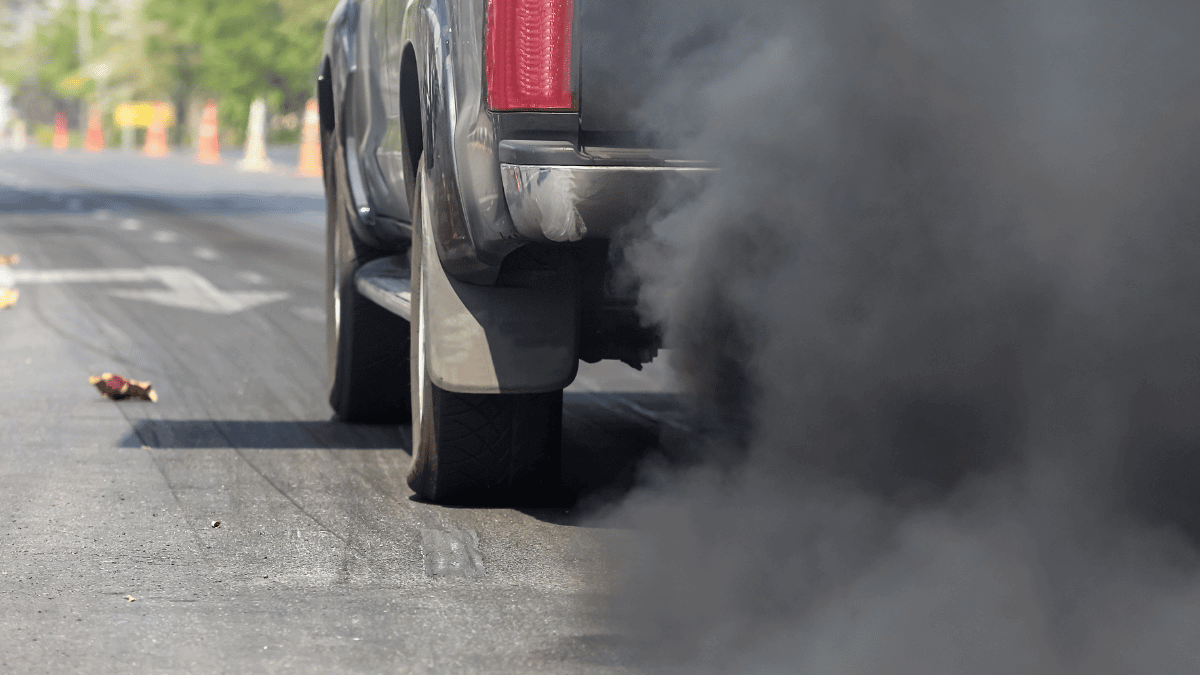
(178, 50)
(238, 49)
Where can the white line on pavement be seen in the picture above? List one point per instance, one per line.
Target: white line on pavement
(185, 288)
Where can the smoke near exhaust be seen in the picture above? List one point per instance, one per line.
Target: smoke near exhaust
(944, 298)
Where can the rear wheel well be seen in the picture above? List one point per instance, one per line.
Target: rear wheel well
(325, 97)
(410, 114)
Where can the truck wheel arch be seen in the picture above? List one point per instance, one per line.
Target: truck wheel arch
(412, 138)
(325, 96)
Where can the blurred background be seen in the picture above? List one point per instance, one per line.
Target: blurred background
(77, 57)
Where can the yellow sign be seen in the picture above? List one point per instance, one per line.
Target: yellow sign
(72, 83)
(143, 114)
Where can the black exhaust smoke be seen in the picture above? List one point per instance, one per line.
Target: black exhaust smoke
(945, 293)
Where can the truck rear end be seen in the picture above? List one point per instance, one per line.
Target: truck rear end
(566, 82)
(522, 126)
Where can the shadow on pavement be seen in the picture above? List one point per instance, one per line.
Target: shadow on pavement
(606, 438)
(198, 434)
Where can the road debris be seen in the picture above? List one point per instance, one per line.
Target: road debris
(119, 388)
(130, 598)
(216, 524)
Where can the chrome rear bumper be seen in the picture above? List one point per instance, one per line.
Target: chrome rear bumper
(570, 202)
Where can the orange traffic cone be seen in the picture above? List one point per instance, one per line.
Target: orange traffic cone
(208, 148)
(60, 131)
(94, 142)
(156, 133)
(310, 144)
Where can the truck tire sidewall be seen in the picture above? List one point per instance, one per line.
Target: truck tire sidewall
(366, 384)
(336, 248)
(421, 385)
(343, 249)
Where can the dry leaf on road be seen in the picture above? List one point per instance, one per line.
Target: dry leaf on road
(118, 388)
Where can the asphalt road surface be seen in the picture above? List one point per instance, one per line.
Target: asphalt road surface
(209, 283)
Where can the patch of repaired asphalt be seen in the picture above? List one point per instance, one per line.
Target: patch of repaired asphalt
(451, 553)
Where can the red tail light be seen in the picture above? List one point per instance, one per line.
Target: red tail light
(529, 54)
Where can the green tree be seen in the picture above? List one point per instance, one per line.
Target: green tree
(237, 50)
(182, 50)
(49, 70)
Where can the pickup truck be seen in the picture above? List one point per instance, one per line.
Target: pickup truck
(480, 157)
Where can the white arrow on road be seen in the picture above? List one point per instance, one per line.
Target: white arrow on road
(185, 288)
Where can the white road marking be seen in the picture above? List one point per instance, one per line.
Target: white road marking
(186, 288)
(313, 314)
(83, 276)
(205, 253)
(131, 224)
(13, 179)
(252, 278)
(165, 237)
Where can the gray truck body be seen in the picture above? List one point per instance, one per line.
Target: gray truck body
(514, 174)
(487, 232)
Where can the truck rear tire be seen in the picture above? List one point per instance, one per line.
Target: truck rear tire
(475, 448)
(366, 345)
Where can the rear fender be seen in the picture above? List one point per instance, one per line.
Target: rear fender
(459, 139)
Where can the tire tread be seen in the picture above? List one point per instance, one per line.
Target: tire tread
(484, 453)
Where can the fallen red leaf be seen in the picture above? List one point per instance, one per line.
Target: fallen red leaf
(118, 388)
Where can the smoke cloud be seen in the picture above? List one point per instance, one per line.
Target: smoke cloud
(944, 298)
